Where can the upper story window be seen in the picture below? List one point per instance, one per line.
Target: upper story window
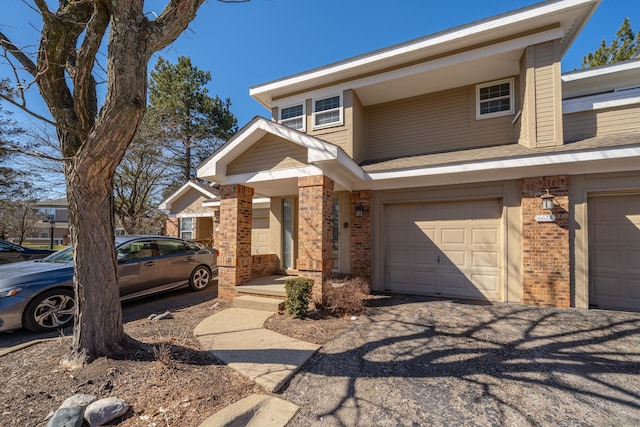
(494, 99)
(293, 117)
(327, 111)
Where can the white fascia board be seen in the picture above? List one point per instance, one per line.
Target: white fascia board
(503, 169)
(168, 203)
(195, 215)
(599, 102)
(258, 202)
(447, 61)
(600, 71)
(470, 31)
(248, 178)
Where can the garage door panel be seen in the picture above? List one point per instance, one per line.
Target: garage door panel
(453, 236)
(485, 259)
(606, 258)
(634, 288)
(484, 236)
(453, 245)
(614, 251)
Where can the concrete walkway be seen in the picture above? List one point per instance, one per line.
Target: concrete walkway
(237, 338)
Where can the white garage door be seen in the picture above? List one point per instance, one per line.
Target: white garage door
(614, 252)
(448, 249)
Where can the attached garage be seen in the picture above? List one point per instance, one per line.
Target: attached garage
(448, 249)
(614, 252)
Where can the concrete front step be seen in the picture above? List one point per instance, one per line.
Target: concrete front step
(253, 302)
(274, 290)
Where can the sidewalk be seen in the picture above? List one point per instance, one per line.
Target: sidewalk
(237, 338)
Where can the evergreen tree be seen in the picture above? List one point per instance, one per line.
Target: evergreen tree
(623, 47)
(193, 123)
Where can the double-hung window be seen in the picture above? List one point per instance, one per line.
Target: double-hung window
(293, 117)
(186, 228)
(327, 111)
(494, 99)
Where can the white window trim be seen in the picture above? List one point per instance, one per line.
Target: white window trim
(509, 112)
(304, 115)
(340, 109)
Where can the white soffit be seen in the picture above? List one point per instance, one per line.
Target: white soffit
(571, 15)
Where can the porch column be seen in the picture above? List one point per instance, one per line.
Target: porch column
(315, 228)
(234, 262)
(546, 276)
(361, 235)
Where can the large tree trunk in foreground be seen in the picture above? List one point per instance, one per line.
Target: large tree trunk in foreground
(93, 141)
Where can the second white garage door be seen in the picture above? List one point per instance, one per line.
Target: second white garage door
(614, 252)
(448, 249)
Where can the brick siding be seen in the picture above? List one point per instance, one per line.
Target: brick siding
(315, 226)
(234, 241)
(361, 235)
(545, 245)
(263, 265)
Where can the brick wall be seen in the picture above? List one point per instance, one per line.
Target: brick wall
(361, 235)
(263, 265)
(545, 245)
(172, 227)
(234, 240)
(315, 226)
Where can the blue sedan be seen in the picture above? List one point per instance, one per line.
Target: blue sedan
(38, 295)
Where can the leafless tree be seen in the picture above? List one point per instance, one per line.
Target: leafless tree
(93, 136)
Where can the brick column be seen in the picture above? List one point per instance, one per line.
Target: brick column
(545, 245)
(172, 227)
(234, 262)
(361, 235)
(315, 227)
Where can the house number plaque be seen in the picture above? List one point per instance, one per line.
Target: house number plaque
(545, 218)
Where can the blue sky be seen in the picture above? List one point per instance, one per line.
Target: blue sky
(247, 44)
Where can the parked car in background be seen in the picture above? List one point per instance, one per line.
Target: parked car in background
(38, 295)
(10, 252)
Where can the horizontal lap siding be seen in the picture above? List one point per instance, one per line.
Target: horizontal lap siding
(270, 153)
(545, 101)
(587, 124)
(437, 122)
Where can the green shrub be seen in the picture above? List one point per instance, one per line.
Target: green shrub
(298, 296)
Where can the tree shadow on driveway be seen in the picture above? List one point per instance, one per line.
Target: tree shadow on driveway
(440, 362)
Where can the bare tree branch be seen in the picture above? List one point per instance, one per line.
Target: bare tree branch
(14, 50)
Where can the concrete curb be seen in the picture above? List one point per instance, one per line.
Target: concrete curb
(18, 347)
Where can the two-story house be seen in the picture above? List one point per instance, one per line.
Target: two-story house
(460, 164)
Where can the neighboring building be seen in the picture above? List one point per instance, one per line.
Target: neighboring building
(194, 214)
(55, 220)
(424, 167)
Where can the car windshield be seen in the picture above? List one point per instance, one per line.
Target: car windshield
(64, 255)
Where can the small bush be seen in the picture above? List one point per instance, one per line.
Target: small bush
(347, 297)
(298, 296)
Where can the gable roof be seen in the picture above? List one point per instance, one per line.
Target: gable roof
(322, 158)
(206, 191)
(501, 38)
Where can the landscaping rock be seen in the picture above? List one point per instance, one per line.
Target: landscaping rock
(71, 412)
(102, 411)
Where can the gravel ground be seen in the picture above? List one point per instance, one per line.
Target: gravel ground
(441, 362)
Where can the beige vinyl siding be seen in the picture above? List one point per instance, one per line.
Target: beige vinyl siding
(340, 135)
(269, 153)
(547, 96)
(587, 124)
(358, 129)
(436, 122)
(190, 203)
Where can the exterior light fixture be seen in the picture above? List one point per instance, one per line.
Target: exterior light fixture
(359, 210)
(547, 201)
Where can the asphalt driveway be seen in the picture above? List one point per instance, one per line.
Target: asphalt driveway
(426, 362)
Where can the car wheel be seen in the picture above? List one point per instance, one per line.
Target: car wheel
(200, 278)
(49, 311)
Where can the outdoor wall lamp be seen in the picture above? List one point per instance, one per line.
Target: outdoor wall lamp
(359, 210)
(547, 200)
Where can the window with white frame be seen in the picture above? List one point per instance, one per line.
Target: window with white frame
(327, 111)
(186, 228)
(494, 99)
(293, 117)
